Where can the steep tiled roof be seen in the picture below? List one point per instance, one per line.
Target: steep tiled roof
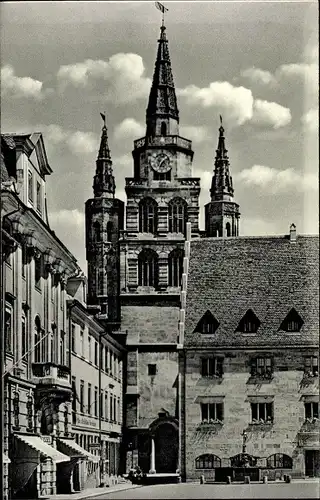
(269, 275)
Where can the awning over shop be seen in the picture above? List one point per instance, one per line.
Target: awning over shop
(43, 448)
(73, 450)
(5, 459)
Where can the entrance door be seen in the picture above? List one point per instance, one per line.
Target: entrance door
(166, 448)
(312, 461)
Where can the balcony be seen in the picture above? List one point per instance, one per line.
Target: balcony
(51, 375)
(169, 140)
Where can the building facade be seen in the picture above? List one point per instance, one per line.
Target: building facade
(51, 444)
(250, 358)
(97, 367)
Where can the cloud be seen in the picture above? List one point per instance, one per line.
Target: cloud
(274, 181)
(121, 77)
(310, 120)
(233, 102)
(305, 73)
(256, 75)
(69, 226)
(270, 113)
(129, 129)
(78, 142)
(259, 227)
(196, 134)
(21, 86)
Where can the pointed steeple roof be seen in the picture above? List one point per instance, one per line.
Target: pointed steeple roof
(221, 187)
(104, 181)
(162, 98)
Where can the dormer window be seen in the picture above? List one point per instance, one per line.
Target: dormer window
(292, 322)
(208, 324)
(249, 323)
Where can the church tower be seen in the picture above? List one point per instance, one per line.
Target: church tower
(222, 213)
(162, 196)
(104, 221)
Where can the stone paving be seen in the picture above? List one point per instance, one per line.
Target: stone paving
(297, 489)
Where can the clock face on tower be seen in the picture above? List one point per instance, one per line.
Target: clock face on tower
(160, 162)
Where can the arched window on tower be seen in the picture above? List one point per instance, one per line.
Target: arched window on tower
(148, 268)
(148, 216)
(178, 215)
(96, 231)
(109, 231)
(228, 229)
(175, 267)
(163, 128)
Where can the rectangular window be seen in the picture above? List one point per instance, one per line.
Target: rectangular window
(37, 272)
(73, 337)
(212, 412)
(89, 348)
(262, 367)
(38, 205)
(114, 409)
(106, 405)
(106, 358)
(262, 413)
(111, 407)
(101, 405)
(8, 328)
(118, 410)
(152, 369)
(30, 186)
(212, 367)
(23, 260)
(61, 295)
(82, 342)
(111, 363)
(311, 366)
(74, 400)
(24, 349)
(96, 353)
(89, 399)
(311, 410)
(81, 396)
(101, 356)
(62, 347)
(96, 401)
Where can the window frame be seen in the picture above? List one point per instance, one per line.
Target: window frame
(8, 338)
(263, 411)
(212, 366)
(203, 462)
(30, 186)
(211, 412)
(152, 371)
(311, 410)
(38, 197)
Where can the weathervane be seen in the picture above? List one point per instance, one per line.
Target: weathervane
(103, 116)
(162, 9)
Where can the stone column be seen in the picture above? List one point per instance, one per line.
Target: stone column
(153, 457)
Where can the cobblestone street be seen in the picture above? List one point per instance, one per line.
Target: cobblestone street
(303, 489)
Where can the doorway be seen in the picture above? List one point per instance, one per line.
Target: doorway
(166, 448)
(312, 462)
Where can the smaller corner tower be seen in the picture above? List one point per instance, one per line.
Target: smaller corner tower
(104, 221)
(222, 213)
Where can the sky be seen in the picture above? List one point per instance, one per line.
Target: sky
(255, 63)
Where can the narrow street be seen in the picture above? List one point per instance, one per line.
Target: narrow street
(196, 491)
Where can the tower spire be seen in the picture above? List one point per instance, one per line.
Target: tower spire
(104, 182)
(222, 213)
(162, 105)
(221, 187)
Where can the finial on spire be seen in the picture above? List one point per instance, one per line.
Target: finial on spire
(220, 119)
(162, 9)
(103, 116)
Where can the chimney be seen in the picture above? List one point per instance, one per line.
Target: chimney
(293, 233)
